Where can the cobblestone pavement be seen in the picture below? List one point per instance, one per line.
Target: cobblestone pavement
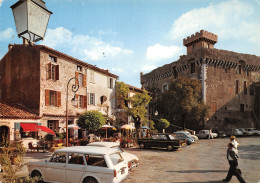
(202, 162)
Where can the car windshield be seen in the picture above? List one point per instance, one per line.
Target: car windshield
(118, 148)
(116, 158)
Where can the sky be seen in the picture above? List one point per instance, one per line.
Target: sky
(132, 36)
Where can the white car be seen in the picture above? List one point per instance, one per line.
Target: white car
(205, 134)
(193, 136)
(132, 159)
(81, 164)
(252, 131)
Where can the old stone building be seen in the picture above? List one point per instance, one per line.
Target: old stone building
(37, 76)
(228, 79)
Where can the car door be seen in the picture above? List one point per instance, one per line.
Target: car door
(55, 168)
(76, 167)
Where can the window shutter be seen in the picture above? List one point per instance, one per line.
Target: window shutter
(77, 97)
(17, 126)
(94, 98)
(108, 80)
(56, 72)
(77, 77)
(47, 97)
(84, 80)
(58, 98)
(88, 98)
(85, 104)
(49, 71)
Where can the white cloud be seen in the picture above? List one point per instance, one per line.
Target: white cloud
(228, 19)
(7, 34)
(148, 68)
(84, 46)
(158, 52)
(117, 70)
(1, 1)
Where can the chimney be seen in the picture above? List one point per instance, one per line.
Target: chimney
(25, 42)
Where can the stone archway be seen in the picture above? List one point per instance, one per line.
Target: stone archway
(4, 136)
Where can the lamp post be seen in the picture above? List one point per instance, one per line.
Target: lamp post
(74, 102)
(31, 19)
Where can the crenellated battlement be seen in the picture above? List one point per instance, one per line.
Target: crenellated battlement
(202, 35)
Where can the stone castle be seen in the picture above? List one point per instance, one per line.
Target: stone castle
(230, 81)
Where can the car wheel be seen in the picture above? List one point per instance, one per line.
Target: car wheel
(169, 147)
(90, 180)
(188, 142)
(37, 174)
(142, 146)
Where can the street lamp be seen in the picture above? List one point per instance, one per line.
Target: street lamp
(74, 102)
(31, 19)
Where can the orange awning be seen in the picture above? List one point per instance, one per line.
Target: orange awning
(45, 129)
(29, 127)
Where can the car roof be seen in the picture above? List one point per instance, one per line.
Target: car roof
(103, 144)
(87, 149)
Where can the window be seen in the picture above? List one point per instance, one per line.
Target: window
(226, 70)
(165, 87)
(116, 158)
(92, 79)
(92, 98)
(194, 48)
(52, 98)
(53, 124)
(53, 71)
(245, 87)
(251, 90)
(53, 59)
(192, 67)
(82, 79)
(75, 158)
(58, 158)
(207, 45)
(79, 68)
(242, 107)
(248, 73)
(98, 160)
(82, 101)
(239, 70)
(110, 83)
(237, 86)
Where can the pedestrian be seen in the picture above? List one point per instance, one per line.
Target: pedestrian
(232, 157)
(233, 141)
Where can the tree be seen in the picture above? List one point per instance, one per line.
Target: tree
(162, 124)
(138, 102)
(91, 120)
(182, 103)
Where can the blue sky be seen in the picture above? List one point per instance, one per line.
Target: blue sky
(139, 35)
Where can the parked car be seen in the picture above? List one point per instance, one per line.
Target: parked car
(193, 136)
(245, 132)
(221, 134)
(161, 140)
(206, 134)
(81, 164)
(182, 135)
(235, 132)
(132, 159)
(252, 131)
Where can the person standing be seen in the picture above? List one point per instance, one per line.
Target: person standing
(232, 157)
(233, 140)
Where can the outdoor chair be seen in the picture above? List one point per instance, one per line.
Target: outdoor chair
(31, 147)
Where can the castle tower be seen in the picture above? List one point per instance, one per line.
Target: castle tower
(202, 39)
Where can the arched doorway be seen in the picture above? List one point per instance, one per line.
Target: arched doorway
(4, 136)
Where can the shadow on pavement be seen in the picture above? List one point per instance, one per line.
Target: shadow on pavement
(197, 171)
(251, 152)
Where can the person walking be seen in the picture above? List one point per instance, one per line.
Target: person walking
(233, 140)
(232, 157)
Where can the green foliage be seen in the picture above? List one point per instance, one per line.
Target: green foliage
(11, 160)
(122, 90)
(59, 135)
(49, 137)
(163, 124)
(182, 103)
(91, 120)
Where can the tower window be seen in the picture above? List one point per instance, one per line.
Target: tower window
(192, 67)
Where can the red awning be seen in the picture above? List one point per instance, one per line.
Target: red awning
(29, 127)
(45, 129)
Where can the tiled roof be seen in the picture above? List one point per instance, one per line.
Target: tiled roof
(135, 88)
(15, 111)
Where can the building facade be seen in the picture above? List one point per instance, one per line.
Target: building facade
(228, 79)
(37, 77)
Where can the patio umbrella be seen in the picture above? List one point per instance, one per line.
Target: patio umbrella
(106, 127)
(145, 127)
(72, 126)
(127, 127)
